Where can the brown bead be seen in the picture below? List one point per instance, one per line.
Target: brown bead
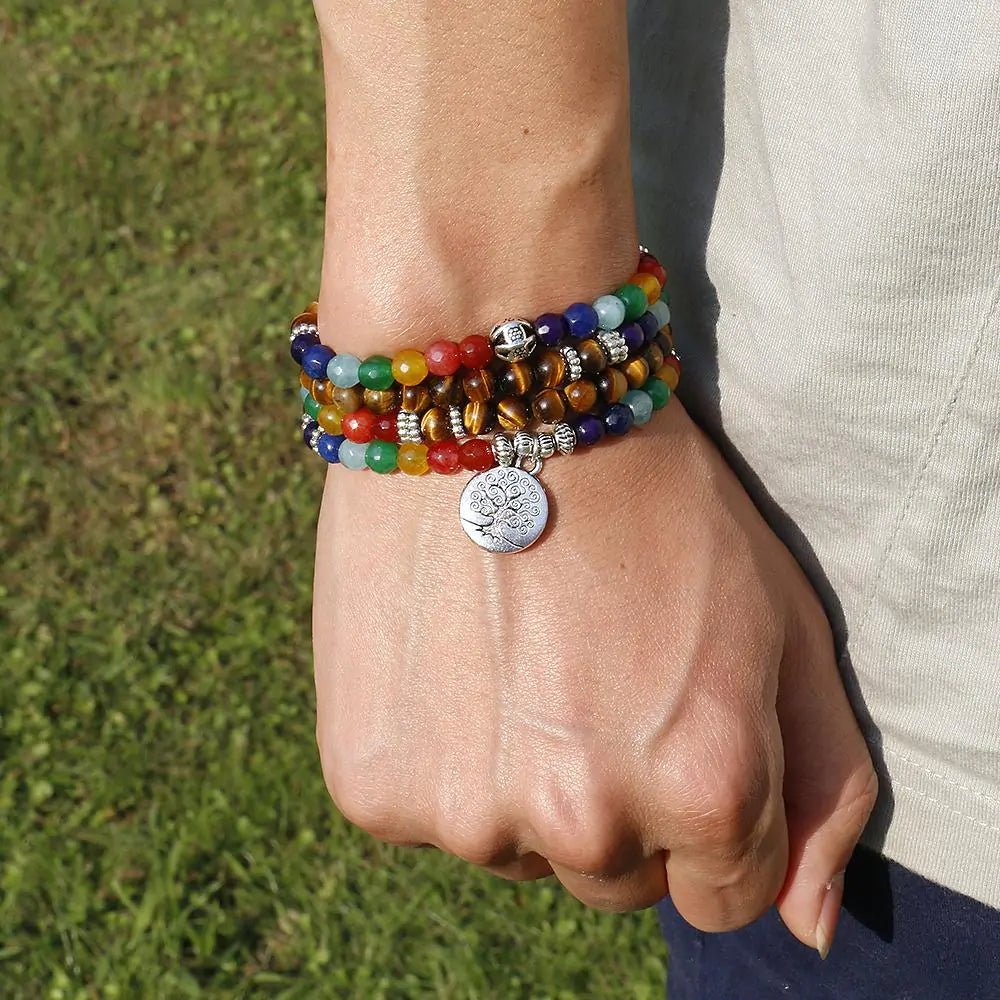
(513, 414)
(665, 340)
(305, 381)
(382, 401)
(347, 400)
(550, 370)
(478, 386)
(515, 379)
(654, 358)
(612, 385)
(446, 390)
(323, 390)
(435, 425)
(549, 406)
(309, 316)
(415, 399)
(581, 395)
(636, 371)
(479, 418)
(592, 356)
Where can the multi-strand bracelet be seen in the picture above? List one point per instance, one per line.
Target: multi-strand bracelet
(595, 369)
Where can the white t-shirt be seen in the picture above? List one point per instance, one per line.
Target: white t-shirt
(821, 179)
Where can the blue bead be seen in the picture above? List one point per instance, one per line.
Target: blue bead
(661, 311)
(634, 337)
(352, 455)
(618, 419)
(641, 405)
(552, 329)
(342, 370)
(328, 447)
(304, 393)
(650, 325)
(589, 429)
(301, 343)
(581, 317)
(610, 312)
(315, 360)
(308, 430)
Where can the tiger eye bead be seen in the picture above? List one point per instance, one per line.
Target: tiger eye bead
(665, 340)
(581, 395)
(381, 401)
(513, 414)
(612, 385)
(514, 379)
(548, 406)
(479, 418)
(479, 386)
(330, 419)
(592, 356)
(323, 390)
(636, 371)
(446, 391)
(671, 372)
(415, 399)
(653, 357)
(435, 425)
(306, 381)
(550, 370)
(347, 400)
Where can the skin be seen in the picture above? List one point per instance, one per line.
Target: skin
(645, 702)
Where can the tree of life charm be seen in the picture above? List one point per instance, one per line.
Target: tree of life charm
(504, 509)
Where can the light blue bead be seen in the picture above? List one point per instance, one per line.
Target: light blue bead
(641, 405)
(661, 311)
(610, 312)
(343, 370)
(304, 393)
(352, 455)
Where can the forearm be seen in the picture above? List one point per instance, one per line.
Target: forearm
(478, 164)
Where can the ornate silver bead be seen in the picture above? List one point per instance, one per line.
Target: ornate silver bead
(574, 367)
(314, 438)
(456, 421)
(408, 427)
(614, 346)
(302, 328)
(514, 340)
(565, 438)
(503, 450)
(525, 445)
(306, 420)
(546, 445)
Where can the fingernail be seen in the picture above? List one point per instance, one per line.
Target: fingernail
(829, 913)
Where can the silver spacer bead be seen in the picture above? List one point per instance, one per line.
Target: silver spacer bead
(306, 420)
(525, 445)
(546, 445)
(573, 364)
(456, 421)
(565, 438)
(302, 328)
(513, 340)
(314, 438)
(408, 427)
(614, 346)
(503, 450)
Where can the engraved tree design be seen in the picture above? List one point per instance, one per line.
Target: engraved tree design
(508, 505)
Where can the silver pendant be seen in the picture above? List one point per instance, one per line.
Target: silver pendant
(504, 509)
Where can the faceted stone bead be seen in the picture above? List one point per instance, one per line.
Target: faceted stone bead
(415, 399)
(648, 284)
(618, 419)
(649, 324)
(479, 418)
(446, 391)
(662, 313)
(552, 329)
(330, 419)
(478, 386)
(648, 264)
(323, 390)
(665, 339)
(409, 367)
(352, 455)
(348, 399)
(612, 385)
(443, 357)
(476, 455)
(315, 360)
(300, 344)
(385, 428)
(328, 447)
(310, 406)
(589, 430)
(412, 459)
(592, 356)
(635, 339)
(358, 426)
(636, 371)
(653, 357)
(382, 400)
(581, 318)
(581, 395)
(381, 457)
(634, 299)
(376, 372)
(513, 414)
(641, 405)
(435, 425)
(308, 430)
(476, 351)
(514, 379)
(659, 392)
(549, 406)
(610, 312)
(343, 370)
(550, 370)
(443, 457)
(306, 380)
(671, 372)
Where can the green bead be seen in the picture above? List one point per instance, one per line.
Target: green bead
(635, 301)
(376, 372)
(310, 406)
(658, 391)
(382, 456)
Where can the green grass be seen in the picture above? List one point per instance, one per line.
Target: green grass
(164, 830)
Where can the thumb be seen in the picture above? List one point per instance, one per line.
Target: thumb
(830, 785)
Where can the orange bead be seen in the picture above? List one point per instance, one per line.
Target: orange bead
(412, 459)
(330, 419)
(305, 381)
(636, 371)
(409, 367)
(648, 284)
(323, 390)
(671, 372)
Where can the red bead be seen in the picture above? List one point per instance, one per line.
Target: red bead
(648, 264)
(359, 426)
(476, 352)
(443, 457)
(443, 357)
(385, 428)
(476, 455)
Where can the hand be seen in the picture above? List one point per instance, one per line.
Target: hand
(645, 702)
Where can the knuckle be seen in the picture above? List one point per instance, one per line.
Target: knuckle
(581, 835)
(468, 825)
(357, 791)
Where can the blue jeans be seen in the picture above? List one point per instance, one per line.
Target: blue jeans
(900, 937)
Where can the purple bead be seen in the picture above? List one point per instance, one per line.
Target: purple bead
(301, 343)
(589, 429)
(650, 326)
(634, 337)
(552, 329)
(582, 319)
(315, 360)
(308, 430)
(328, 447)
(618, 419)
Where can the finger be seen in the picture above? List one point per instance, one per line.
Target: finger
(642, 886)
(830, 785)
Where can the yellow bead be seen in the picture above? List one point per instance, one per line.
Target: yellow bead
(649, 284)
(330, 419)
(412, 459)
(410, 368)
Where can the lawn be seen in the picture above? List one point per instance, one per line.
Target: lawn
(164, 830)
